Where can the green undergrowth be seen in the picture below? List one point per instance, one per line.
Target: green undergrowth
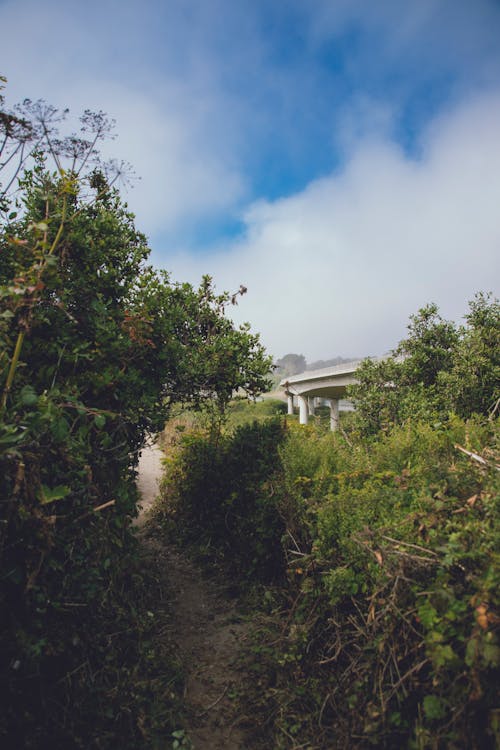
(94, 673)
(379, 623)
(241, 411)
(220, 499)
(238, 412)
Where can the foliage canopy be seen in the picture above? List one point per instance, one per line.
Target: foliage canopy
(95, 347)
(437, 370)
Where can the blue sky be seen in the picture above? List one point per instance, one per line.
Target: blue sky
(341, 158)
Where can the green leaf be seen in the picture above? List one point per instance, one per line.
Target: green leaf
(42, 226)
(471, 652)
(442, 654)
(60, 429)
(433, 707)
(427, 614)
(49, 495)
(11, 436)
(99, 421)
(28, 396)
(491, 654)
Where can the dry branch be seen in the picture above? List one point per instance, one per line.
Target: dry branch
(475, 456)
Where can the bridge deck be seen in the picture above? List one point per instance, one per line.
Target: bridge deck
(328, 382)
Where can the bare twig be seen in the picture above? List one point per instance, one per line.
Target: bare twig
(104, 505)
(494, 410)
(410, 556)
(96, 510)
(475, 456)
(293, 539)
(408, 544)
(415, 668)
(320, 717)
(212, 705)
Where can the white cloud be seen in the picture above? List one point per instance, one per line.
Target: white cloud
(443, 29)
(183, 173)
(198, 88)
(339, 267)
(169, 121)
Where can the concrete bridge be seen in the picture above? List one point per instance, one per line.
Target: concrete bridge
(329, 383)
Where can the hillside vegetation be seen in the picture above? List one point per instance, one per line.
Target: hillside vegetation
(375, 548)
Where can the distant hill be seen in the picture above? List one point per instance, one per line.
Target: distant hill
(328, 363)
(292, 364)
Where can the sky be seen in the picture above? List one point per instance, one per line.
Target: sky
(339, 158)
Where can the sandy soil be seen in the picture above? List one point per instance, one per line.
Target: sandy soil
(150, 470)
(205, 626)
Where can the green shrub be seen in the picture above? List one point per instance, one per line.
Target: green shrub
(388, 617)
(437, 370)
(218, 495)
(397, 598)
(95, 346)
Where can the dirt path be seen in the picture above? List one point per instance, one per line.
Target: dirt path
(204, 625)
(150, 470)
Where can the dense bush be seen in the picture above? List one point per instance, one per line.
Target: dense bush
(437, 369)
(95, 347)
(241, 411)
(385, 631)
(218, 497)
(394, 630)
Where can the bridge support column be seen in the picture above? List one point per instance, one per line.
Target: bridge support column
(310, 405)
(334, 414)
(290, 403)
(303, 411)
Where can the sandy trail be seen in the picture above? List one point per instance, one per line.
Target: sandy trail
(205, 626)
(150, 471)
